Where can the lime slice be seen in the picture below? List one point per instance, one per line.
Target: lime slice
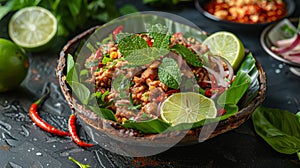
(226, 45)
(187, 107)
(32, 28)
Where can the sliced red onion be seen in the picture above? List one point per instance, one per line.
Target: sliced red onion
(288, 48)
(294, 54)
(285, 42)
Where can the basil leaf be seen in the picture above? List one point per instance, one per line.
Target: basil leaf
(187, 54)
(145, 56)
(70, 62)
(169, 73)
(148, 127)
(81, 91)
(279, 128)
(131, 43)
(104, 113)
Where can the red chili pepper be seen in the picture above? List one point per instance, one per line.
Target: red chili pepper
(40, 122)
(73, 132)
(208, 93)
(117, 31)
(221, 111)
(150, 43)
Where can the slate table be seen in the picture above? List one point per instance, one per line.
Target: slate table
(22, 144)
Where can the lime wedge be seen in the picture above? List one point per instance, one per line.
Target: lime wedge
(187, 107)
(32, 28)
(226, 45)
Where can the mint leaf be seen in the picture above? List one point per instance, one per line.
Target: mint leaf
(160, 35)
(169, 73)
(187, 54)
(131, 43)
(145, 56)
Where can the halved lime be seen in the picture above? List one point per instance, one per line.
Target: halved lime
(32, 28)
(187, 107)
(226, 45)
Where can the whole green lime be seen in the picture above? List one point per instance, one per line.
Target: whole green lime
(13, 65)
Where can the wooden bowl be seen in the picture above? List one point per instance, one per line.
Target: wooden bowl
(118, 140)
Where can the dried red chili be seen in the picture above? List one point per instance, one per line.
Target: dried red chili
(73, 132)
(40, 122)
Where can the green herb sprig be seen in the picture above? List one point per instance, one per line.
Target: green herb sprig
(279, 128)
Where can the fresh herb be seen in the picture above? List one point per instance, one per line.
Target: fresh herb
(187, 54)
(106, 59)
(78, 163)
(160, 35)
(103, 112)
(150, 126)
(131, 43)
(132, 105)
(279, 128)
(83, 93)
(100, 98)
(169, 73)
(145, 56)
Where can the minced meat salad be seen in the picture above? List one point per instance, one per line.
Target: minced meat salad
(137, 72)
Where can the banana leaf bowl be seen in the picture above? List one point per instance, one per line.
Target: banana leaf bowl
(128, 141)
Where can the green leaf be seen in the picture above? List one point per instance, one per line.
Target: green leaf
(245, 85)
(231, 109)
(248, 64)
(74, 7)
(236, 91)
(127, 9)
(104, 113)
(148, 127)
(169, 73)
(81, 91)
(70, 62)
(279, 128)
(187, 54)
(160, 35)
(298, 116)
(145, 56)
(131, 43)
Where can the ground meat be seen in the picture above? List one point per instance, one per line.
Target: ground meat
(142, 97)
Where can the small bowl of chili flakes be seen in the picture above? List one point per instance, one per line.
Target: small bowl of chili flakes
(250, 13)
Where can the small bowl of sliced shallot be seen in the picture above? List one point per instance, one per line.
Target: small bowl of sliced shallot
(282, 42)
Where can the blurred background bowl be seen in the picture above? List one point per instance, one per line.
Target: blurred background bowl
(267, 44)
(200, 6)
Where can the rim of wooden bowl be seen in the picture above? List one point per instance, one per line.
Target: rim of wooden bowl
(164, 139)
